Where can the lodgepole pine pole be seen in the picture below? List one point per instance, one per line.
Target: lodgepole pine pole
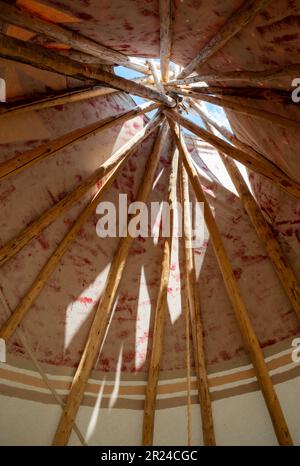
(104, 311)
(195, 317)
(23, 307)
(240, 310)
(159, 319)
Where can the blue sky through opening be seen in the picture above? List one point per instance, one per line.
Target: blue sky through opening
(216, 112)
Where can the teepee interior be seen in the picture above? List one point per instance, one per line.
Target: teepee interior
(158, 339)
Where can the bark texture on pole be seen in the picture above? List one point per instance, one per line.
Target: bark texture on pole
(39, 57)
(240, 310)
(235, 23)
(104, 311)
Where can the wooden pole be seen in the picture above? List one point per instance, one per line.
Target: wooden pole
(264, 231)
(40, 57)
(25, 160)
(159, 319)
(11, 324)
(252, 77)
(156, 78)
(245, 109)
(59, 98)
(14, 320)
(226, 133)
(241, 313)
(36, 227)
(85, 58)
(104, 311)
(262, 166)
(12, 15)
(254, 93)
(136, 67)
(236, 22)
(106, 66)
(50, 100)
(21, 335)
(195, 317)
(220, 128)
(186, 312)
(165, 13)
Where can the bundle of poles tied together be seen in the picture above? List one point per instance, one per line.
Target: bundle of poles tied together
(170, 98)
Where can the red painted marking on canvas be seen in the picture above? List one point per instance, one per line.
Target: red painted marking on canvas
(85, 300)
(44, 243)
